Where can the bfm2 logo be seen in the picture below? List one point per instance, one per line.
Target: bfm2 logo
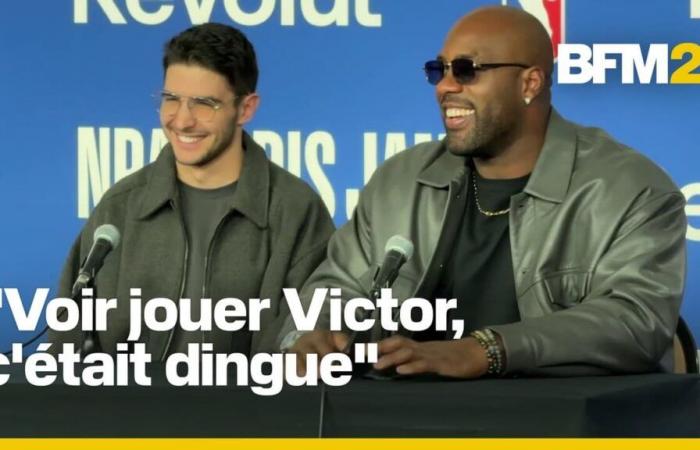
(581, 63)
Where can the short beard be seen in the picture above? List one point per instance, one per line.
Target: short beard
(483, 142)
(218, 148)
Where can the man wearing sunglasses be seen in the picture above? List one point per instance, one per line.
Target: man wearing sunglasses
(564, 249)
(211, 217)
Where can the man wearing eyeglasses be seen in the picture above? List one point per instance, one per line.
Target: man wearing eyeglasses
(564, 249)
(211, 217)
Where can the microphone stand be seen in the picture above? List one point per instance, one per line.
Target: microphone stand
(372, 373)
(390, 372)
(91, 340)
(397, 253)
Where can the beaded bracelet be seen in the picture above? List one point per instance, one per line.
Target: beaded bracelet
(494, 354)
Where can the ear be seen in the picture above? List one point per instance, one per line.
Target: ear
(534, 81)
(247, 108)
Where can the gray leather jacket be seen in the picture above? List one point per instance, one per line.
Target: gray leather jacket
(597, 241)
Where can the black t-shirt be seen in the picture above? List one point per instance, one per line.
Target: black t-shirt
(202, 212)
(479, 270)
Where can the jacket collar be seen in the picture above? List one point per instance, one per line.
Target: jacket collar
(251, 197)
(442, 169)
(550, 178)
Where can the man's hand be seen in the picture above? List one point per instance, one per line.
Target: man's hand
(463, 358)
(321, 342)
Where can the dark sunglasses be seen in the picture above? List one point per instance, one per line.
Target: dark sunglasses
(463, 69)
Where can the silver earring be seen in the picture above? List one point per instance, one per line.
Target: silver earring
(527, 100)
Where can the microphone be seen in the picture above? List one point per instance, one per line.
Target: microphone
(397, 251)
(105, 239)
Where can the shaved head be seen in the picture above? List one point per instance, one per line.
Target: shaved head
(512, 34)
(508, 98)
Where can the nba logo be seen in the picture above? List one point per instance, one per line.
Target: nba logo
(550, 13)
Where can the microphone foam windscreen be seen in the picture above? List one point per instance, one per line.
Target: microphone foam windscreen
(108, 232)
(400, 244)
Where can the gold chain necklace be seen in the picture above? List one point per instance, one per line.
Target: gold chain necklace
(478, 205)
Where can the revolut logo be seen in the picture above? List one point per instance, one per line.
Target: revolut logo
(155, 12)
(581, 63)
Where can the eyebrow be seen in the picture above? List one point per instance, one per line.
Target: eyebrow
(211, 99)
(461, 55)
(197, 97)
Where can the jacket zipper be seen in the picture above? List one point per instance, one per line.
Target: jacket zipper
(207, 257)
(182, 280)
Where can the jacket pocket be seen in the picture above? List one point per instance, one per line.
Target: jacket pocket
(565, 288)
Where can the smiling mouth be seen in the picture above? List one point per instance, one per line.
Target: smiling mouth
(184, 139)
(457, 117)
(451, 113)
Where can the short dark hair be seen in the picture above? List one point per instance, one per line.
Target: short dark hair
(217, 47)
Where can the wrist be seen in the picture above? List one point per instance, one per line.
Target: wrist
(290, 339)
(492, 347)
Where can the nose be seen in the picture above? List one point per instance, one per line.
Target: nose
(448, 85)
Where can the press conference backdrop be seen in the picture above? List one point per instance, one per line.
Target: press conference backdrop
(342, 90)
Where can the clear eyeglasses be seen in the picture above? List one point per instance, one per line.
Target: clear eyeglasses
(202, 108)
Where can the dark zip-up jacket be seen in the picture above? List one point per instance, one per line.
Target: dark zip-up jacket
(273, 237)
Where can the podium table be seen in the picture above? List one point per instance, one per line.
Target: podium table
(653, 405)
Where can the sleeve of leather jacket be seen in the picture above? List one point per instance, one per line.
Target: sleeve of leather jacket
(627, 320)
